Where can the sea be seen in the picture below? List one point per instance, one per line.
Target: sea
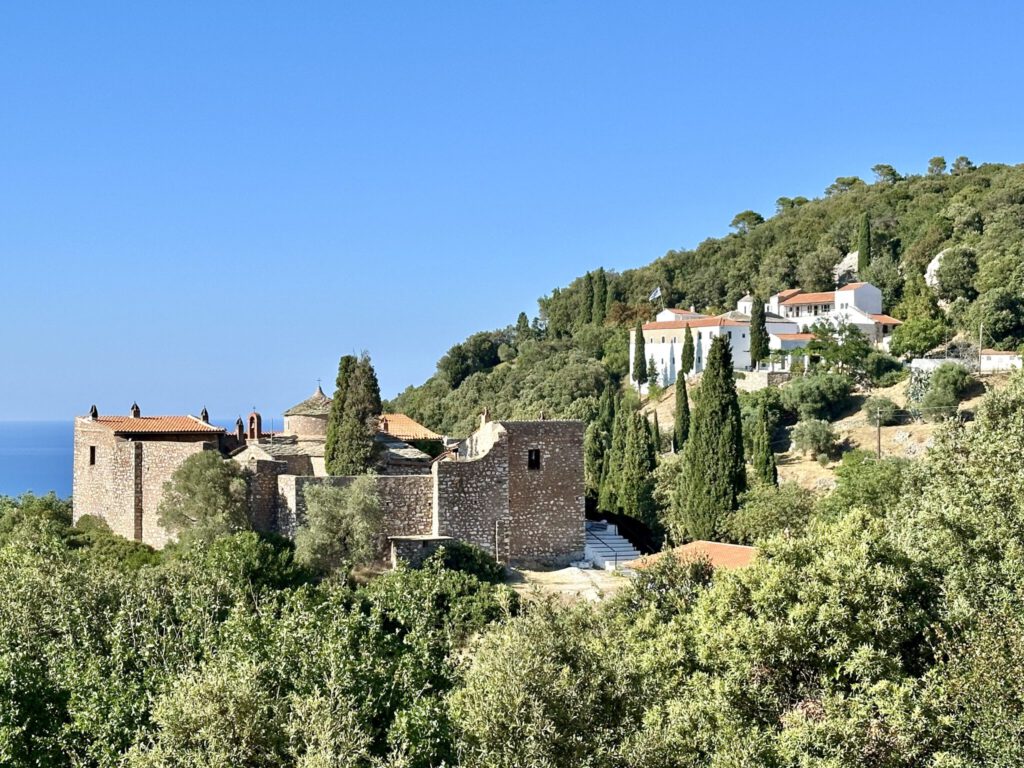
(36, 456)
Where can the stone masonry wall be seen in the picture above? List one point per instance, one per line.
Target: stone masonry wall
(547, 504)
(406, 502)
(470, 496)
(159, 460)
(306, 425)
(263, 493)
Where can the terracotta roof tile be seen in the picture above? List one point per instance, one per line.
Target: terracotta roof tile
(1000, 352)
(700, 322)
(720, 555)
(153, 425)
(852, 286)
(885, 319)
(401, 426)
(794, 336)
(810, 298)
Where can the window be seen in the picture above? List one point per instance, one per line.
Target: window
(92, 455)
(533, 458)
(662, 339)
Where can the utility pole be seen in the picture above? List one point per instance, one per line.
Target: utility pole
(981, 327)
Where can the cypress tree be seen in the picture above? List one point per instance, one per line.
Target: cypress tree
(652, 372)
(610, 498)
(600, 297)
(358, 449)
(864, 245)
(764, 457)
(332, 446)
(687, 357)
(523, 330)
(637, 485)
(609, 299)
(656, 435)
(759, 349)
(593, 458)
(639, 356)
(587, 303)
(714, 474)
(682, 422)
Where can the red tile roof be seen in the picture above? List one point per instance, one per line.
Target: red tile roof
(794, 336)
(700, 322)
(852, 286)
(1001, 352)
(720, 555)
(685, 312)
(154, 425)
(810, 298)
(401, 426)
(885, 319)
(783, 295)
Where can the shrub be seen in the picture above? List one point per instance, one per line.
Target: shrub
(766, 510)
(342, 525)
(814, 436)
(881, 411)
(819, 396)
(883, 370)
(946, 388)
(459, 556)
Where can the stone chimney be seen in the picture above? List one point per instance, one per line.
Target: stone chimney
(136, 411)
(204, 415)
(94, 413)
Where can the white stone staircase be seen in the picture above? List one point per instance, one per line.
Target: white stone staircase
(605, 548)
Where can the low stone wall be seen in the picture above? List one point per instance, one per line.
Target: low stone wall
(752, 381)
(406, 502)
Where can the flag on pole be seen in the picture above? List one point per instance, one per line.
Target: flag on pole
(655, 294)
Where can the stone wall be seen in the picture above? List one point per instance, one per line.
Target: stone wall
(413, 550)
(546, 504)
(307, 426)
(263, 492)
(406, 502)
(126, 484)
(753, 381)
(471, 495)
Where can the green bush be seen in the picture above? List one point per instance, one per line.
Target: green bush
(883, 370)
(766, 510)
(819, 396)
(881, 411)
(814, 436)
(459, 556)
(946, 388)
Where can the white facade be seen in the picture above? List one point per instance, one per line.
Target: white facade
(994, 360)
(859, 304)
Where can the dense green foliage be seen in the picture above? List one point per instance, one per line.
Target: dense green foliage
(814, 436)
(762, 454)
(206, 497)
(912, 218)
(759, 349)
(818, 396)
(714, 472)
(681, 415)
(351, 447)
(342, 526)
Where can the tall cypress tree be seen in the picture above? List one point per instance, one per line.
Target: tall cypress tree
(639, 356)
(600, 297)
(687, 357)
(763, 459)
(682, 416)
(637, 483)
(652, 372)
(714, 474)
(332, 446)
(593, 458)
(656, 435)
(610, 499)
(358, 449)
(864, 244)
(587, 302)
(759, 349)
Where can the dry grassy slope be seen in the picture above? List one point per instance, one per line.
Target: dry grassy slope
(904, 440)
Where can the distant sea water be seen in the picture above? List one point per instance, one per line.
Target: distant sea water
(36, 456)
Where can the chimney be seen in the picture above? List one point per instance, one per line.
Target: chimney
(240, 430)
(136, 412)
(204, 415)
(94, 413)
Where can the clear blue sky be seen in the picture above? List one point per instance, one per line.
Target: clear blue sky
(208, 203)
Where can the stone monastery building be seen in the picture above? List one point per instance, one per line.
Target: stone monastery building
(789, 315)
(514, 488)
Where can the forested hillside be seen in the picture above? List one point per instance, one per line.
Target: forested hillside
(560, 363)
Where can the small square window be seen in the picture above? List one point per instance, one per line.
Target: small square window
(533, 458)
(92, 455)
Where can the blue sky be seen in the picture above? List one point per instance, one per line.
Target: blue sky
(209, 203)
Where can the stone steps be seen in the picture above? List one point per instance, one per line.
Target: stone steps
(606, 548)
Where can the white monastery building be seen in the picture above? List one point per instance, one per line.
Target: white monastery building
(789, 316)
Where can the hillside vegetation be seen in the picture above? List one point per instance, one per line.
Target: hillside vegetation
(561, 362)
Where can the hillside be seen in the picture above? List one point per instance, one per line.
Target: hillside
(560, 362)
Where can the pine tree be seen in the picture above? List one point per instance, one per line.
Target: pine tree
(357, 449)
(637, 484)
(332, 446)
(610, 499)
(763, 459)
(523, 330)
(759, 349)
(682, 422)
(587, 302)
(714, 474)
(656, 435)
(687, 358)
(652, 372)
(864, 245)
(600, 297)
(639, 356)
